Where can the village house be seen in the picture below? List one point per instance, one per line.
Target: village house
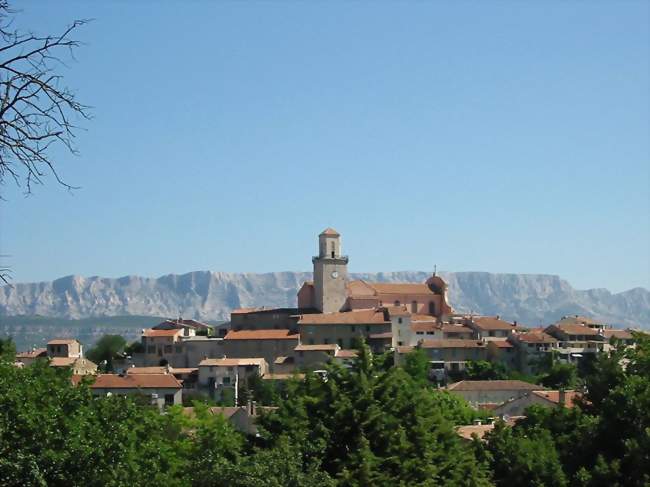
(491, 392)
(491, 327)
(454, 353)
(266, 344)
(64, 347)
(576, 340)
(215, 375)
(530, 347)
(160, 389)
(517, 406)
(311, 357)
(78, 365)
(501, 351)
(26, 358)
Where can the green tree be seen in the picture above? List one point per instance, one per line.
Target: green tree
(106, 349)
(484, 370)
(7, 350)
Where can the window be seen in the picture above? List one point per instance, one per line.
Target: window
(326, 341)
(333, 249)
(168, 349)
(432, 308)
(397, 303)
(352, 328)
(169, 399)
(179, 349)
(491, 334)
(340, 342)
(414, 306)
(399, 320)
(399, 344)
(368, 328)
(226, 381)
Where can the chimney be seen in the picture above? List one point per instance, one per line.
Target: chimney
(514, 323)
(562, 397)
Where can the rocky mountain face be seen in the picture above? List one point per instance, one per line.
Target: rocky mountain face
(530, 299)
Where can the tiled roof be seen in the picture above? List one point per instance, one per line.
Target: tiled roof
(452, 343)
(400, 288)
(346, 353)
(578, 320)
(387, 335)
(360, 317)
(423, 318)
(183, 370)
(62, 361)
(492, 323)
(136, 381)
(150, 332)
(330, 232)
(456, 329)
(62, 341)
(573, 329)
(621, 334)
(554, 396)
(329, 347)
(501, 343)
(281, 334)
(535, 337)
(146, 370)
(37, 352)
(479, 430)
(243, 311)
(230, 362)
(493, 385)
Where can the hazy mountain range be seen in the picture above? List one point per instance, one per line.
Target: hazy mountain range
(531, 299)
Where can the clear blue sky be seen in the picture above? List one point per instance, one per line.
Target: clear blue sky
(484, 136)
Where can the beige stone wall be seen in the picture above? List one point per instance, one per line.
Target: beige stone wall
(344, 335)
(269, 350)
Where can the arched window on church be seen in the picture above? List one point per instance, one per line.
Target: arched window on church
(333, 250)
(397, 303)
(432, 308)
(414, 306)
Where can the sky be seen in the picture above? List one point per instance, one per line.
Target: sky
(473, 136)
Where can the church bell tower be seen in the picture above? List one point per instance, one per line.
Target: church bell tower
(330, 273)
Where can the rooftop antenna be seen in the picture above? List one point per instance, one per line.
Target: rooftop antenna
(435, 269)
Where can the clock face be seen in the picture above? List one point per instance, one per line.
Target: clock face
(335, 274)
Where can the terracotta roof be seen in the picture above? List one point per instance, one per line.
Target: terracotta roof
(136, 381)
(621, 334)
(479, 430)
(62, 361)
(535, 337)
(400, 288)
(492, 323)
(62, 341)
(230, 362)
(381, 336)
(423, 318)
(456, 329)
(321, 348)
(150, 332)
(578, 320)
(361, 317)
(452, 343)
(282, 334)
(37, 352)
(554, 396)
(243, 311)
(343, 353)
(146, 370)
(501, 343)
(330, 232)
(574, 329)
(183, 370)
(493, 385)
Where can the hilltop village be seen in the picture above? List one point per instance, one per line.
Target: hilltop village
(184, 358)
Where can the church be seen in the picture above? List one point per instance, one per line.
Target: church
(332, 309)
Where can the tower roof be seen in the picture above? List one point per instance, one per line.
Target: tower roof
(330, 232)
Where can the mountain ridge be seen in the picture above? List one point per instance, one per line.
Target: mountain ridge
(533, 299)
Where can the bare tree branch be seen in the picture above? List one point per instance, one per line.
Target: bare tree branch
(36, 111)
